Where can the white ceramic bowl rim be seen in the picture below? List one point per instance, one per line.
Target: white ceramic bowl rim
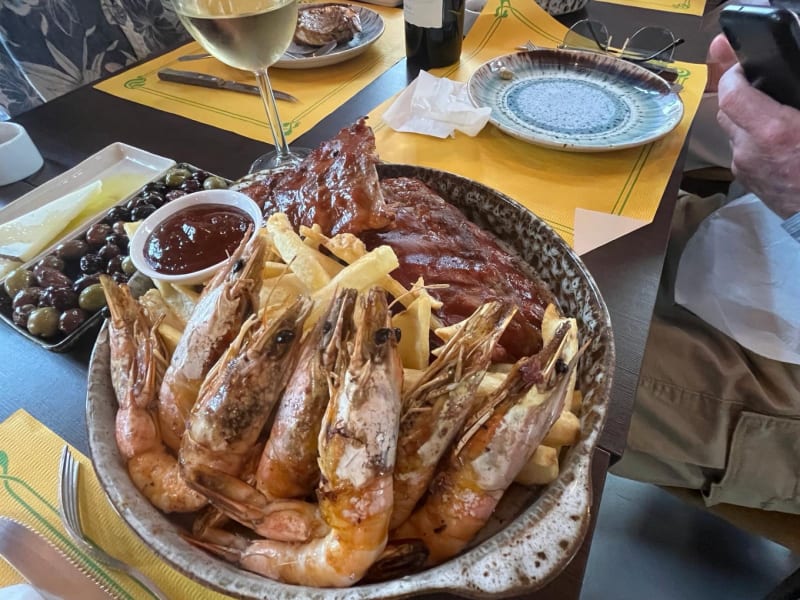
(220, 196)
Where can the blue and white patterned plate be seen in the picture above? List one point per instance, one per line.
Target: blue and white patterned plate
(372, 27)
(577, 101)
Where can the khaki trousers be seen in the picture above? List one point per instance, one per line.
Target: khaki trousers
(709, 414)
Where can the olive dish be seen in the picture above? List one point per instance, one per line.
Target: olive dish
(55, 298)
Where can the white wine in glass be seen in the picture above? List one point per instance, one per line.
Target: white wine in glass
(250, 35)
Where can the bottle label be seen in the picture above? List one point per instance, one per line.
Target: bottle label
(423, 13)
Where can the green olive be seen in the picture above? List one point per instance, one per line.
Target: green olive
(43, 322)
(214, 183)
(17, 280)
(175, 177)
(92, 298)
(127, 266)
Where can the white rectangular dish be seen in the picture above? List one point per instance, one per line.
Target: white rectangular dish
(116, 160)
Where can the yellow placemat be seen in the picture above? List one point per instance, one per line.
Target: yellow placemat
(29, 457)
(319, 91)
(687, 7)
(551, 183)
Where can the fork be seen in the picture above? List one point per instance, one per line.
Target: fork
(70, 517)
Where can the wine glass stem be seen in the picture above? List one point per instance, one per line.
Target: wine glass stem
(273, 119)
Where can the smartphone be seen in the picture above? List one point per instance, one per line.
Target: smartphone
(766, 40)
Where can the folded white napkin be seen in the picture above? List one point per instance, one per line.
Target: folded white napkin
(739, 273)
(435, 106)
(20, 591)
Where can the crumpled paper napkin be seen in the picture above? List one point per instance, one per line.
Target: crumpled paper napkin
(435, 106)
(739, 273)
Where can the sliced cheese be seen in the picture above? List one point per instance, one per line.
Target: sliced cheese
(29, 234)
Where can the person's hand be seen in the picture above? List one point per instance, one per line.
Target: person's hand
(765, 141)
(721, 57)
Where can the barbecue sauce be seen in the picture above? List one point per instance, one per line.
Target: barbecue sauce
(195, 238)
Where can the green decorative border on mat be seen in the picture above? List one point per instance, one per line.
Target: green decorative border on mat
(45, 516)
(505, 10)
(140, 83)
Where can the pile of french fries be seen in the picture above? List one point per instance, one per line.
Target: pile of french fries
(308, 262)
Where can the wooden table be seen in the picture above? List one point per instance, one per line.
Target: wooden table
(52, 387)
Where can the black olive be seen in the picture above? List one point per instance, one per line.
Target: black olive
(97, 233)
(84, 282)
(91, 263)
(71, 319)
(25, 296)
(199, 176)
(190, 185)
(115, 265)
(119, 277)
(51, 261)
(107, 252)
(561, 366)
(174, 195)
(47, 277)
(156, 186)
(142, 212)
(60, 298)
(72, 250)
(117, 213)
(118, 228)
(121, 241)
(21, 314)
(154, 198)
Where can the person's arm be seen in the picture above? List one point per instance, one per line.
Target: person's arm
(765, 141)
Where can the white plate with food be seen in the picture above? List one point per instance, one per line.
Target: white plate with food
(576, 101)
(352, 28)
(537, 526)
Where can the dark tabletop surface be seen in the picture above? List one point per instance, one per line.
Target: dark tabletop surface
(52, 386)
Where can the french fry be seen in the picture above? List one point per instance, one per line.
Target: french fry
(446, 332)
(349, 248)
(564, 432)
(303, 260)
(411, 377)
(273, 268)
(542, 468)
(180, 298)
(171, 336)
(280, 289)
(158, 310)
(414, 323)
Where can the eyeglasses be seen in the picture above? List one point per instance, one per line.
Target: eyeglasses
(654, 45)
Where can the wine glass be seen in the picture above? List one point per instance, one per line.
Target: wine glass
(250, 35)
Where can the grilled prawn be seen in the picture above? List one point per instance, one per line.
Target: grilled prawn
(496, 443)
(288, 467)
(225, 303)
(136, 368)
(435, 408)
(357, 446)
(234, 404)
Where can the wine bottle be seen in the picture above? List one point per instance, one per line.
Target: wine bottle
(434, 30)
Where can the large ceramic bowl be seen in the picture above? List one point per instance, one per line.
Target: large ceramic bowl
(534, 533)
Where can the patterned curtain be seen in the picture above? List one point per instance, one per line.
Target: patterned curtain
(49, 47)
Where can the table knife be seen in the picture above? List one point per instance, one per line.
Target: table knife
(210, 81)
(44, 566)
